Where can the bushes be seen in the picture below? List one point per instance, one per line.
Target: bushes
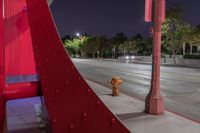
(191, 56)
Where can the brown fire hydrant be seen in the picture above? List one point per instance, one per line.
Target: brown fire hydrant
(116, 82)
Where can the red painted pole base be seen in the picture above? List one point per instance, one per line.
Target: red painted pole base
(154, 106)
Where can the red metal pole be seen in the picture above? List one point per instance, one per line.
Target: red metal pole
(154, 101)
(2, 69)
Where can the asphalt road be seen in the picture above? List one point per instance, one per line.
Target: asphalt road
(180, 86)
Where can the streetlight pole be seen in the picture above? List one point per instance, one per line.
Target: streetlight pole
(154, 103)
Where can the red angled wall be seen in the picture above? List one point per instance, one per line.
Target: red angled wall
(19, 54)
(2, 71)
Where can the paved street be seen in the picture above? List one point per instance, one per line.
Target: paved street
(180, 86)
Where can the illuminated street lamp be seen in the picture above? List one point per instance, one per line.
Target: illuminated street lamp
(78, 34)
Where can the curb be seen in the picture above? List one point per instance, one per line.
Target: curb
(148, 63)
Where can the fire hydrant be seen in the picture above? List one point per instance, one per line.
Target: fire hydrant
(116, 82)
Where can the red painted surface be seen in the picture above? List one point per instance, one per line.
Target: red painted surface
(72, 105)
(2, 69)
(163, 9)
(16, 55)
(154, 101)
(21, 90)
(148, 10)
(19, 53)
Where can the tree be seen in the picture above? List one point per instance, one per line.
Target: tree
(137, 45)
(103, 46)
(66, 37)
(192, 35)
(141, 44)
(75, 44)
(128, 47)
(173, 29)
(120, 38)
(91, 46)
(72, 45)
(147, 47)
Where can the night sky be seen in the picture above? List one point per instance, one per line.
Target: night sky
(108, 17)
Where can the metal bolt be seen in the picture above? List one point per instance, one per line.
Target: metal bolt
(84, 115)
(88, 91)
(98, 103)
(54, 120)
(113, 120)
(71, 126)
(57, 91)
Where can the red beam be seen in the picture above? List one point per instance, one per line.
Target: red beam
(72, 105)
(21, 90)
(2, 69)
(19, 58)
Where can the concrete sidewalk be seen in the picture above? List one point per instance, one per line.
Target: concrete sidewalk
(130, 111)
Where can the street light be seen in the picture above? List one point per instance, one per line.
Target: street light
(78, 34)
(154, 103)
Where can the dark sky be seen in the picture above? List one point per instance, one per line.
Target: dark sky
(108, 17)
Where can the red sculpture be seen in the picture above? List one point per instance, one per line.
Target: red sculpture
(33, 54)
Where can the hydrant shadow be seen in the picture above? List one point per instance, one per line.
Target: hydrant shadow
(109, 94)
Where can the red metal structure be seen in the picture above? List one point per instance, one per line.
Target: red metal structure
(154, 101)
(20, 69)
(148, 10)
(32, 57)
(2, 69)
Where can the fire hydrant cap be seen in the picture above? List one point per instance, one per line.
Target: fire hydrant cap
(116, 79)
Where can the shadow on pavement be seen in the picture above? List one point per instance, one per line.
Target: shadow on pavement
(127, 116)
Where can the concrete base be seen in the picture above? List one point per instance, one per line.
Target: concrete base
(22, 117)
(154, 106)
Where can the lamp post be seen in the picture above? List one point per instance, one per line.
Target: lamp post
(154, 103)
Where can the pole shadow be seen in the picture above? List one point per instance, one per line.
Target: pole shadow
(127, 116)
